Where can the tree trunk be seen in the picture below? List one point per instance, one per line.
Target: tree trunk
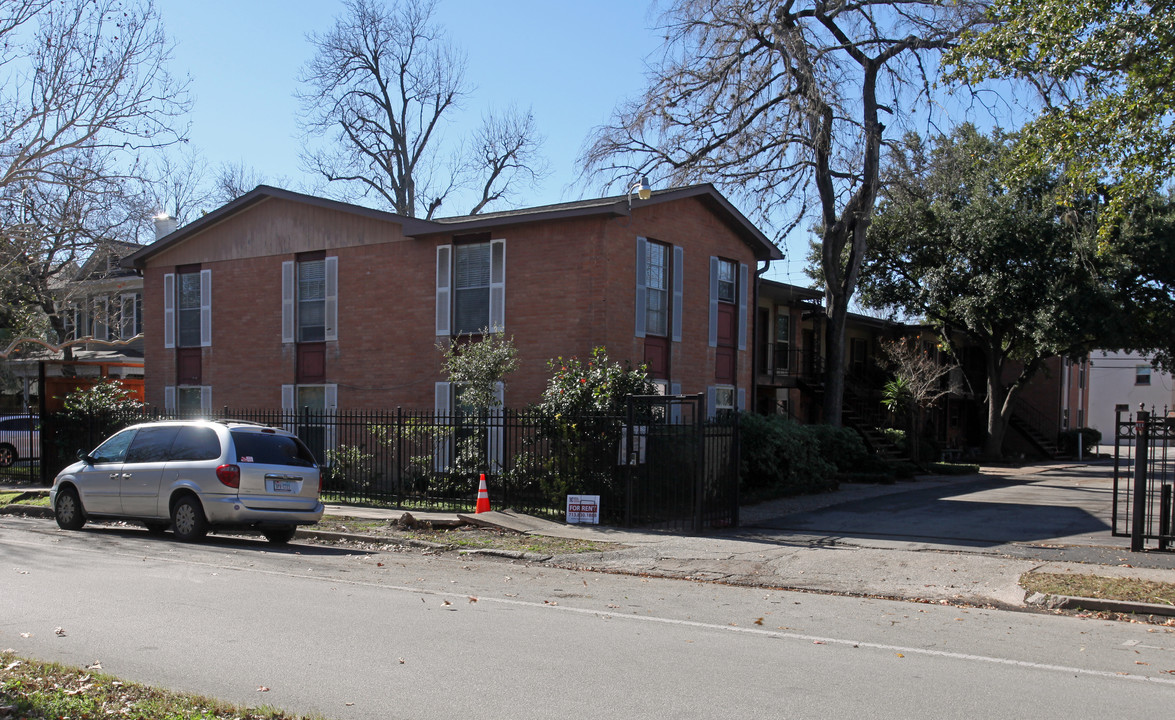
(834, 358)
(997, 408)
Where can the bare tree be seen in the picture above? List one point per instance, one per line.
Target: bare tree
(506, 150)
(916, 384)
(779, 103)
(179, 185)
(90, 75)
(234, 180)
(383, 81)
(83, 91)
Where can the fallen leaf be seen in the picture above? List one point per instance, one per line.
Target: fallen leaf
(401, 661)
(26, 635)
(350, 704)
(1139, 662)
(95, 666)
(613, 606)
(759, 621)
(262, 688)
(446, 602)
(12, 665)
(378, 564)
(60, 631)
(901, 655)
(472, 599)
(817, 642)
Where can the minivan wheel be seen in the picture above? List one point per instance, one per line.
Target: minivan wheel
(187, 519)
(280, 535)
(68, 510)
(7, 454)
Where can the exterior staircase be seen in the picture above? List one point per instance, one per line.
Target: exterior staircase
(1045, 445)
(874, 439)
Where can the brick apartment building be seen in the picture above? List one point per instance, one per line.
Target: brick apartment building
(279, 299)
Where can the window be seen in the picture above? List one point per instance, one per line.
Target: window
(130, 320)
(312, 301)
(188, 304)
(187, 308)
(727, 286)
(782, 340)
(1122, 408)
(187, 400)
(309, 408)
(114, 449)
(1142, 375)
(471, 287)
(195, 443)
(657, 290)
(152, 444)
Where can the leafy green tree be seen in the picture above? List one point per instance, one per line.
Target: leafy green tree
(1103, 71)
(476, 367)
(973, 251)
(598, 385)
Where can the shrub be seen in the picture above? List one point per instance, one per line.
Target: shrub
(942, 468)
(1090, 439)
(841, 446)
(782, 457)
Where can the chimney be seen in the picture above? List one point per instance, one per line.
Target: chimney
(164, 225)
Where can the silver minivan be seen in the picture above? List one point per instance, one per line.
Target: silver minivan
(193, 476)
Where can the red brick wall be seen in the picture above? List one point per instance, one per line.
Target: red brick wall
(570, 286)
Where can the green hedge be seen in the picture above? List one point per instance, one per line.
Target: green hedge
(782, 457)
(1067, 440)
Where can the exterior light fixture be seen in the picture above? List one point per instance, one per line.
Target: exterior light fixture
(643, 190)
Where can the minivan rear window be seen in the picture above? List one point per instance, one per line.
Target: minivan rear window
(267, 449)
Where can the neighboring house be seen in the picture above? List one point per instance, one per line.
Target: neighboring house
(1124, 382)
(101, 304)
(280, 299)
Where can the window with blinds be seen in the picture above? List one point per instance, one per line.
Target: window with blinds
(471, 285)
(312, 301)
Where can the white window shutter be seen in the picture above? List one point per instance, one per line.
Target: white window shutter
(675, 408)
(288, 301)
(288, 411)
(169, 310)
(205, 308)
(169, 398)
(442, 444)
(494, 431)
(444, 289)
(331, 403)
(642, 274)
(497, 285)
(331, 305)
(206, 400)
(713, 301)
(742, 399)
(742, 306)
(711, 399)
(678, 289)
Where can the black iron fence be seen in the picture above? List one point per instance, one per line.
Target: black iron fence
(683, 473)
(1144, 473)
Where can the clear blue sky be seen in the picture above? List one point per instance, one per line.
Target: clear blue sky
(570, 62)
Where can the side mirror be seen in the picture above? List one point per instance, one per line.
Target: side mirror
(85, 457)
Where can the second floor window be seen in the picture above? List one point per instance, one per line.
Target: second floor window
(312, 301)
(1142, 375)
(471, 283)
(188, 309)
(657, 290)
(727, 282)
(782, 340)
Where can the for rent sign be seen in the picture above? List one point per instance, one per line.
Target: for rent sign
(583, 509)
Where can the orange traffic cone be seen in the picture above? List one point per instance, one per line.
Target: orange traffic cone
(483, 497)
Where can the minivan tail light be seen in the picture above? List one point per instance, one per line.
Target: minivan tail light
(229, 475)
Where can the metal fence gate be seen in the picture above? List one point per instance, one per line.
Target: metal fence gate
(1144, 472)
(682, 464)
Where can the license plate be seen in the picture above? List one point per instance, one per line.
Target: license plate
(283, 486)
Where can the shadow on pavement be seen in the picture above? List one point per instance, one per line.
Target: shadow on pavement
(980, 513)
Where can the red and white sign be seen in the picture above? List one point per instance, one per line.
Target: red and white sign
(583, 509)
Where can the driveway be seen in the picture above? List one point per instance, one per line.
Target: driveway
(1049, 512)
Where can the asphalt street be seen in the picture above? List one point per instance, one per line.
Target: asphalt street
(411, 635)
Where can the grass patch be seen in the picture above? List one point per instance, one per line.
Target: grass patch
(20, 498)
(942, 468)
(37, 690)
(1101, 588)
(466, 537)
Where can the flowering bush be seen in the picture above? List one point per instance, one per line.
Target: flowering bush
(595, 386)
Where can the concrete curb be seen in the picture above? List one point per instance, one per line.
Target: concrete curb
(27, 510)
(1069, 602)
(356, 537)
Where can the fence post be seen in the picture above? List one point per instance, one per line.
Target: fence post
(699, 465)
(398, 456)
(1141, 453)
(630, 464)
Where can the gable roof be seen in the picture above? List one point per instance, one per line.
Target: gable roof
(616, 206)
